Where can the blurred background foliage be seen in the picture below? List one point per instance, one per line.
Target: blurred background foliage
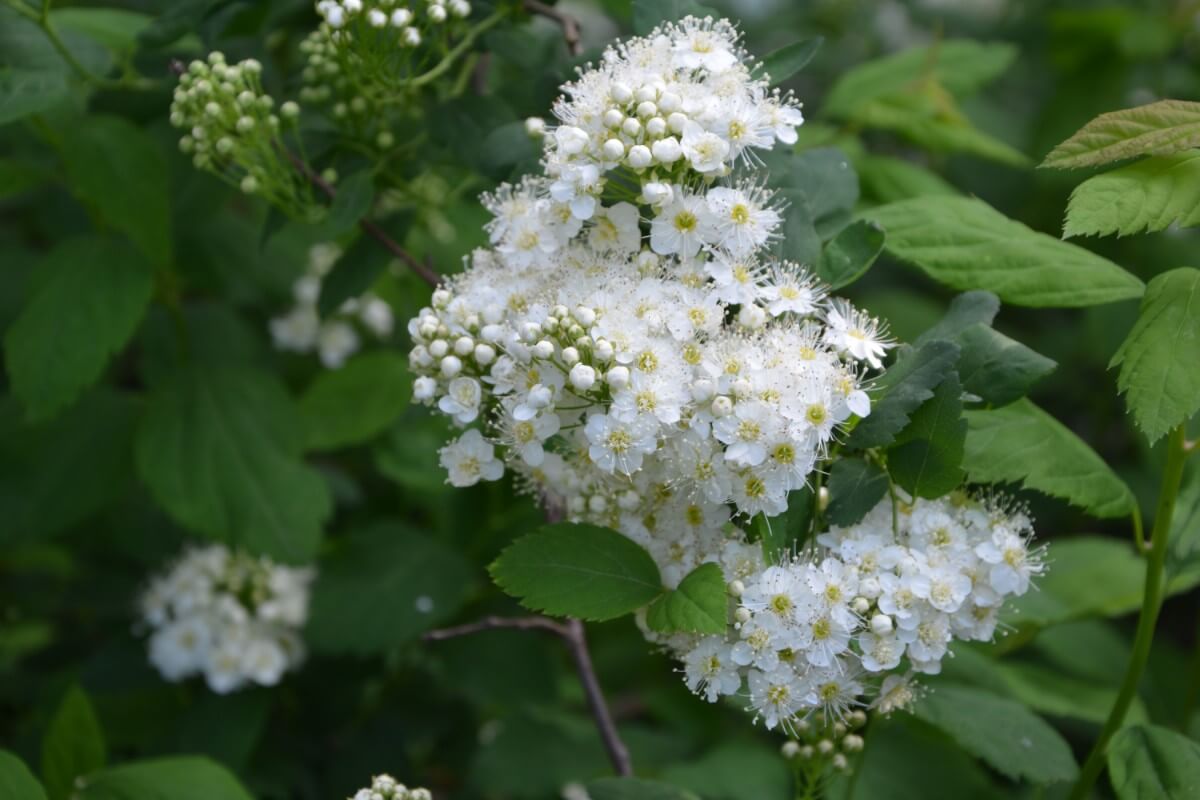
(501, 715)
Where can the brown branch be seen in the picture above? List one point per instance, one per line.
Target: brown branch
(424, 271)
(572, 633)
(569, 25)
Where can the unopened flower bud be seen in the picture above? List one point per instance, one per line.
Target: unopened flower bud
(646, 94)
(613, 149)
(790, 749)
(667, 150)
(722, 406)
(736, 588)
(676, 122)
(439, 348)
(656, 193)
(613, 117)
(597, 504)
(669, 101)
(656, 126)
(860, 605)
(451, 366)
(484, 354)
(535, 127)
(881, 624)
(424, 388)
(570, 356)
(463, 346)
(852, 743)
(823, 498)
(743, 614)
(603, 350)
(543, 349)
(639, 156)
(620, 92)
(824, 747)
(617, 377)
(839, 761)
(631, 127)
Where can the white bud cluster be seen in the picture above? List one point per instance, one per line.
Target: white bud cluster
(363, 45)
(385, 787)
(232, 617)
(811, 633)
(232, 129)
(336, 338)
(677, 105)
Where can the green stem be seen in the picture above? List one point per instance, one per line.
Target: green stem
(1152, 599)
(437, 70)
(1139, 537)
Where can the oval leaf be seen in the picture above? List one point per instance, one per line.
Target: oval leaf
(1151, 761)
(577, 570)
(698, 605)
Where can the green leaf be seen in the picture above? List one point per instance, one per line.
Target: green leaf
(17, 177)
(966, 244)
(785, 533)
(176, 778)
(996, 368)
(88, 297)
(959, 66)
(360, 266)
(647, 14)
(1147, 195)
(1091, 576)
(1021, 443)
(118, 170)
(785, 62)
(903, 387)
(735, 771)
(698, 605)
(357, 402)
(219, 447)
(383, 587)
(55, 475)
(578, 570)
(855, 487)
(1159, 375)
(115, 28)
(1048, 690)
(966, 310)
(822, 176)
(888, 179)
(1151, 761)
(175, 20)
(1158, 129)
(635, 789)
(29, 91)
(851, 253)
(926, 458)
(1003, 733)
(16, 781)
(355, 195)
(73, 746)
(507, 145)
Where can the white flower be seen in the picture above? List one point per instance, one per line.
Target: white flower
(616, 228)
(777, 696)
(462, 400)
(705, 151)
(470, 459)
(791, 290)
(853, 332)
(678, 226)
(740, 220)
(336, 342)
(621, 446)
(1011, 566)
(709, 669)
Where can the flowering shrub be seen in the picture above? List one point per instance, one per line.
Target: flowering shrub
(546, 407)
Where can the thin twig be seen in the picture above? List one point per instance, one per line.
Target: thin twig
(572, 633)
(569, 25)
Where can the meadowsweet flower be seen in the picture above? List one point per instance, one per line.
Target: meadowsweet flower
(470, 459)
(385, 787)
(230, 617)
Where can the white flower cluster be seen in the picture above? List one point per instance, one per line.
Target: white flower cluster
(234, 618)
(385, 787)
(657, 109)
(661, 389)
(811, 633)
(231, 129)
(302, 330)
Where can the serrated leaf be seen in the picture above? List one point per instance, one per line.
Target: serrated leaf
(1161, 128)
(851, 253)
(855, 487)
(1148, 195)
(647, 14)
(29, 91)
(88, 297)
(1003, 733)
(16, 781)
(996, 368)
(635, 789)
(73, 746)
(966, 244)
(786, 61)
(926, 458)
(1159, 375)
(1147, 761)
(219, 446)
(118, 170)
(1021, 443)
(356, 402)
(960, 66)
(176, 778)
(382, 587)
(578, 570)
(698, 605)
(931, 120)
(903, 387)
